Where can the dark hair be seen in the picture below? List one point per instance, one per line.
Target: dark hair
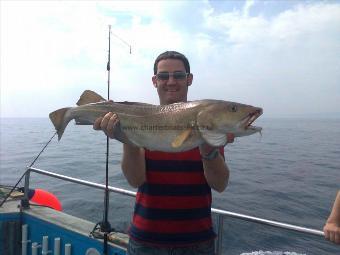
(172, 55)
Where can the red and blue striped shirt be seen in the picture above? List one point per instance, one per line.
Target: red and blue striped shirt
(173, 206)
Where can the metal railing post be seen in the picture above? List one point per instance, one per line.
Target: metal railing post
(218, 249)
(25, 201)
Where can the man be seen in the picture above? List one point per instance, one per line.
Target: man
(332, 226)
(173, 205)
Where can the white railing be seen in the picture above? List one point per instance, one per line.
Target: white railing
(220, 213)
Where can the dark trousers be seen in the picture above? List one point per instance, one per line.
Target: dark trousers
(138, 248)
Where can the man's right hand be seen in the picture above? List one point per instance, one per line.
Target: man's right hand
(107, 123)
(133, 161)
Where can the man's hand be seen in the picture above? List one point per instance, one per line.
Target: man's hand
(107, 123)
(133, 161)
(205, 148)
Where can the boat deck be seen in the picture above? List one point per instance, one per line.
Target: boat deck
(40, 226)
(39, 223)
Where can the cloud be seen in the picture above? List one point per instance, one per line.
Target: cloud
(285, 61)
(247, 6)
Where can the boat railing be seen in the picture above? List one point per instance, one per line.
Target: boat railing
(221, 214)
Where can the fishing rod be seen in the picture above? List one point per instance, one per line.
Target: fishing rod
(105, 225)
(24, 201)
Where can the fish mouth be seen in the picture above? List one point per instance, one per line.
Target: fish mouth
(250, 118)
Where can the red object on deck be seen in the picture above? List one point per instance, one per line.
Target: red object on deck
(43, 197)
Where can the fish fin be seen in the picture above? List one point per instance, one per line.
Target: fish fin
(180, 139)
(89, 97)
(59, 120)
(213, 138)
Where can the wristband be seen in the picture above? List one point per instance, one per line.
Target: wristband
(211, 155)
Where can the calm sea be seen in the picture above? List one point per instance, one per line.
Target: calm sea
(291, 174)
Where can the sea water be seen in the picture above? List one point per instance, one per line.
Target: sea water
(290, 174)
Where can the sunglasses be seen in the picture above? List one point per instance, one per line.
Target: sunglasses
(179, 75)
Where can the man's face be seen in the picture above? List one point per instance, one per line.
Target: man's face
(173, 89)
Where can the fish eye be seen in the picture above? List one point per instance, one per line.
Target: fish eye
(233, 108)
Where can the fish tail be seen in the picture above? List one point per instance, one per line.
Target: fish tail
(60, 120)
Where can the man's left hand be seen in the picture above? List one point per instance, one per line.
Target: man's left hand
(205, 148)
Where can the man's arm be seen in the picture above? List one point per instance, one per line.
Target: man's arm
(133, 165)
(216, 170)
(332, 226)
(133, 162)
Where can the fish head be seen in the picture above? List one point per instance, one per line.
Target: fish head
(236, 118)
(224, 117)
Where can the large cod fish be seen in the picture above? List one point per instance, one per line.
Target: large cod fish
(169, 128)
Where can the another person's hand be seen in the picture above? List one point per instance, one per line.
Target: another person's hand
(332, 225)
(107, 123)
(332, 232)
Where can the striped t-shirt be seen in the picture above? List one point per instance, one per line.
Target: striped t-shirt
(173, 206)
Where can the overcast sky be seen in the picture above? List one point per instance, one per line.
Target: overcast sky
(283, 56)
